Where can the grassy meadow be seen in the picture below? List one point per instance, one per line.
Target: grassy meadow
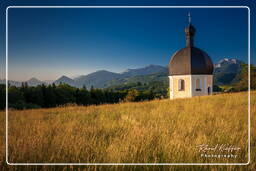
(158, 131)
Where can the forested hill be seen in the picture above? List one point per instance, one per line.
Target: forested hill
(52, 95)
(224, 73)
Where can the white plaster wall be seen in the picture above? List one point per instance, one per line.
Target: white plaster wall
(205, 82)
(190, 85)
(174, 88)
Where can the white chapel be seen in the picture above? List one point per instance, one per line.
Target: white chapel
(190, 69)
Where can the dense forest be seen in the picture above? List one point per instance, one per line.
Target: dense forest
(45, 96)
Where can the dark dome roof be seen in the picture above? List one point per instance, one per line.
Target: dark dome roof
(190, 61)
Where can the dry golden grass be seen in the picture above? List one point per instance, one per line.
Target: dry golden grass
(159, 131)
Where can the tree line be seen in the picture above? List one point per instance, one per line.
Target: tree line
(45, 96)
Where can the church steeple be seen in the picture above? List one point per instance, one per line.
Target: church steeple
(190, 32)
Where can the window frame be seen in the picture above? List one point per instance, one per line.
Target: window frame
(198, 84)
(181, 85)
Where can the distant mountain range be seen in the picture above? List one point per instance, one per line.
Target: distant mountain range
(224, 72)
(103, 78)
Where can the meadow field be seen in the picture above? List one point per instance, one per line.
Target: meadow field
(158, 131)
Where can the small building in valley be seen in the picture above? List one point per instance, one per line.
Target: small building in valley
(190, 69)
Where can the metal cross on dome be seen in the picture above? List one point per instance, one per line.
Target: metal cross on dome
(189, 18)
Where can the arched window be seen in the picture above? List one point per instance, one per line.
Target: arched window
(181, 85)
(198, 85)
(209, 90)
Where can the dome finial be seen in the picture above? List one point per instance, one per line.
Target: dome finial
(190, 32)
(189, 18)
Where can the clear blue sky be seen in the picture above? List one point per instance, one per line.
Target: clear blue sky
(48, 43)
